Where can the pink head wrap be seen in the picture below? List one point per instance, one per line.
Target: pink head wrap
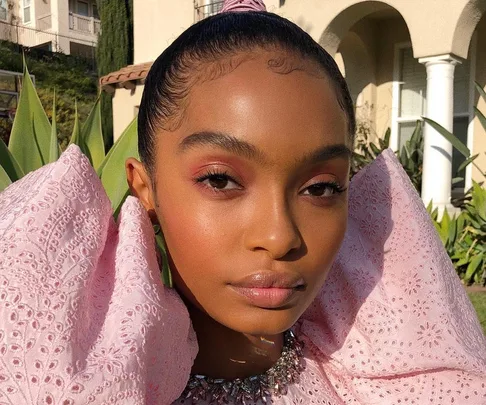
(243, 5)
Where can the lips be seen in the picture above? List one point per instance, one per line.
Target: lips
(269, 289)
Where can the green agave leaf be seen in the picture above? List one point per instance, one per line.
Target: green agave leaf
(9, 163)
(417, 132)
(456, 143)
(434, 213)
(4, 179)
(76, 135)
(481, 117)
(479, 200)
(473, 267)
(461, 221)
(438, 229)
(480, 90)
(444, 227)
(462, 262)
(386, 138)
(166, 273)
(92, 136)
(452, 231)
(112, 169)
(375, 149)
(36, 142)
(466, 163)
(54, 150)
(31, 132)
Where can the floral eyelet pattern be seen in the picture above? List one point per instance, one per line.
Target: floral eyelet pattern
(84, 316)
(85, 319)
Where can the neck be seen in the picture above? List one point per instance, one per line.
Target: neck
(225, 353)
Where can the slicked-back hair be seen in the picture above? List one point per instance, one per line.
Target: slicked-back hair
(203, 46)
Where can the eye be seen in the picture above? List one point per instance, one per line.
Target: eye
(323, 189)
(218, 181)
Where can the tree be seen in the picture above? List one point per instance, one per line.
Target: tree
(114, 51)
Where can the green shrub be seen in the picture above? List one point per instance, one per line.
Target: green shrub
(75, 80)
(34, 142)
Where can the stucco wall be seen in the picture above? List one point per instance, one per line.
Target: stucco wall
(157, 23)
(124, 108)
(42, 8)
(432, 23)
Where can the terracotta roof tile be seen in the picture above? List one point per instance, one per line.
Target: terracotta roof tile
(128, 74)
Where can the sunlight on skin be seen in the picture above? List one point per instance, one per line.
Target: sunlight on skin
(263, 171)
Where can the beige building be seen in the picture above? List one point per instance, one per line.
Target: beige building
(68, 26)
(402, 59)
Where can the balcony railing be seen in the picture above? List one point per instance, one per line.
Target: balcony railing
(207, 8)
(44, 22)
(81, 23)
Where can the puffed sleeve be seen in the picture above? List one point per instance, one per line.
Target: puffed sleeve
(84, 317)
(393, 324)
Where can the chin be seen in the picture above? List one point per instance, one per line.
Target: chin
(259, 321)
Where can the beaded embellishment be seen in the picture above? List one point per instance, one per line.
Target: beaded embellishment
(274, 382)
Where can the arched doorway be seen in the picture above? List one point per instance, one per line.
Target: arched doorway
(385, 80)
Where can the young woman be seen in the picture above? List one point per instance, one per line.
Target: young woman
(291, 285)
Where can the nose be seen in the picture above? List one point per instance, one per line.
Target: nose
(273, 229)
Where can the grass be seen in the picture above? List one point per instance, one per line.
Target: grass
(478, 300)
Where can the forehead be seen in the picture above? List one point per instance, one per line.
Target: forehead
(266, 98)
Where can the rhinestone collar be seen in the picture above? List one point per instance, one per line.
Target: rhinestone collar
(274, 382)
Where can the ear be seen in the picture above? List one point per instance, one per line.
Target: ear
(140, 183)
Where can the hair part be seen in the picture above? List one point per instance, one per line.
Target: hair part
(214, 47)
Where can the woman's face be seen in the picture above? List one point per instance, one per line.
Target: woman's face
(250, 192)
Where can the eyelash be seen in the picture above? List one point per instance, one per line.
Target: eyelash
(214, 174)
(335, 187)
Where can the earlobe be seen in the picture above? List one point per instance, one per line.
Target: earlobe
(139, 183)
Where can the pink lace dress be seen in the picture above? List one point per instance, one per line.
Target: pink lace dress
(84, 318)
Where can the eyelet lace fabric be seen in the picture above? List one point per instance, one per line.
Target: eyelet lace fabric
(84, 318)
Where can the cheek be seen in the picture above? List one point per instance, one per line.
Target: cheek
(196, 240)
(323, 237)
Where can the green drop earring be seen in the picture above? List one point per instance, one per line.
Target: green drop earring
(165, 270)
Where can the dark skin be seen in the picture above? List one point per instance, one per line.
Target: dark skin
(253, 181)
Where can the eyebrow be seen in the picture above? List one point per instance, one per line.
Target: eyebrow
(245, 149)
(326, 153)
(223, 141)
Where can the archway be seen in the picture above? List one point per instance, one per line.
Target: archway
(374, 43)
(344, 21)
(466, 26)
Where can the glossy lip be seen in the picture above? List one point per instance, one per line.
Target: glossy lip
(269, 289)
(270, 279)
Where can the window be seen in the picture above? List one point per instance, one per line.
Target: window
(411, 85)
(83, 8)
(95, 12)
(3, 10)
(461, 115)
(26, 11)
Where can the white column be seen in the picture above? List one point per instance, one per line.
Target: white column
(437, 165)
